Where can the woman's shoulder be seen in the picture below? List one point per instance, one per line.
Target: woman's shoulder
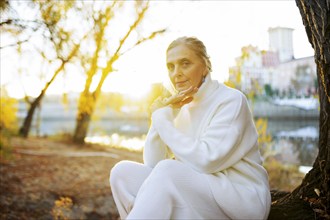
(231, 98)
(228, 93)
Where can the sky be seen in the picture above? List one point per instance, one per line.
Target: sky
(224, 27)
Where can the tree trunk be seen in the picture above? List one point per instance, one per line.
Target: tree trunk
(311, 200)
(25, 128)
(82, 125)
(87, 102)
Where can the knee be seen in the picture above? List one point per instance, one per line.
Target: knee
(167, 168)
(118, 172)
(167, 164)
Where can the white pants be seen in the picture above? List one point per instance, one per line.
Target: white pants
(171, 190)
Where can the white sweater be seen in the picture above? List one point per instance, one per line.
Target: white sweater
(215, 134)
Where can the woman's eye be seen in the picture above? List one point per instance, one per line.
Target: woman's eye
(170, 67)
(185, 64)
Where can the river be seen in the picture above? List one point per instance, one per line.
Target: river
(294, 139)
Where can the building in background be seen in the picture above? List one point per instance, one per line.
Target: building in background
(280, 42)
(275, 71)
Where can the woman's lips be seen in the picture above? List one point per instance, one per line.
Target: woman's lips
(180, 84)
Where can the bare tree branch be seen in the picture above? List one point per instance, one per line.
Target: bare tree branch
(132, 27)
(151, 36)
(17, 21)
(116, 55)
(100, 24)
(15, 44)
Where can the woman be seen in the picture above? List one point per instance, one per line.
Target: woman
(216, 172)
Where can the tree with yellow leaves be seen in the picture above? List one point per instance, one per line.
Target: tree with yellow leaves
(102, 19)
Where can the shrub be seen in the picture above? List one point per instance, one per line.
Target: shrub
(8, 121)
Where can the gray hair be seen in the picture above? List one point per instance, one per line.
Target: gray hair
(196, 45)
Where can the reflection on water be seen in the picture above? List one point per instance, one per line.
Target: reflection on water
(295, 142)
(116, 140)
(303, 133)
(296, 151)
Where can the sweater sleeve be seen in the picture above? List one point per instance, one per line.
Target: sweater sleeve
(229, 136)
(155, 149)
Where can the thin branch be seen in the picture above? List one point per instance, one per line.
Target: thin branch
(132, 27)
(101, 25)
(61, 67)
(15, 44)
(22, 41)
(116, 55)
(10, 21)
(150, 37)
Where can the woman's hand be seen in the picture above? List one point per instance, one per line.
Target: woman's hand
(175, 101)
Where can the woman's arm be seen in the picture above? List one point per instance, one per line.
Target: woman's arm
(155, 149)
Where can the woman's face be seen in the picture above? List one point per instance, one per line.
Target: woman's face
(185, 68)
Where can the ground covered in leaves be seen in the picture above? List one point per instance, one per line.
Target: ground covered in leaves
(45, 179)
(41, 178)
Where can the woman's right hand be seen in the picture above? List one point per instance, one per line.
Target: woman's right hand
(175, 101)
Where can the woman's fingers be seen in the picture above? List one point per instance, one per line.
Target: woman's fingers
(181, 103)
(173, 99)
(158, 103)
(182, 98)
(176, 101)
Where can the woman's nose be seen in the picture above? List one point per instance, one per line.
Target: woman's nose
(176, 72)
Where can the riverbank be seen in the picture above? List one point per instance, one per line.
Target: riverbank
(45, 179)
(286, 109)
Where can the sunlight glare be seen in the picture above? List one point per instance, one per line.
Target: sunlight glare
(125, 84)
(224, 26)
(116, 140)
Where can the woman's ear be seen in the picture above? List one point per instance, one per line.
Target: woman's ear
(206, 71)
